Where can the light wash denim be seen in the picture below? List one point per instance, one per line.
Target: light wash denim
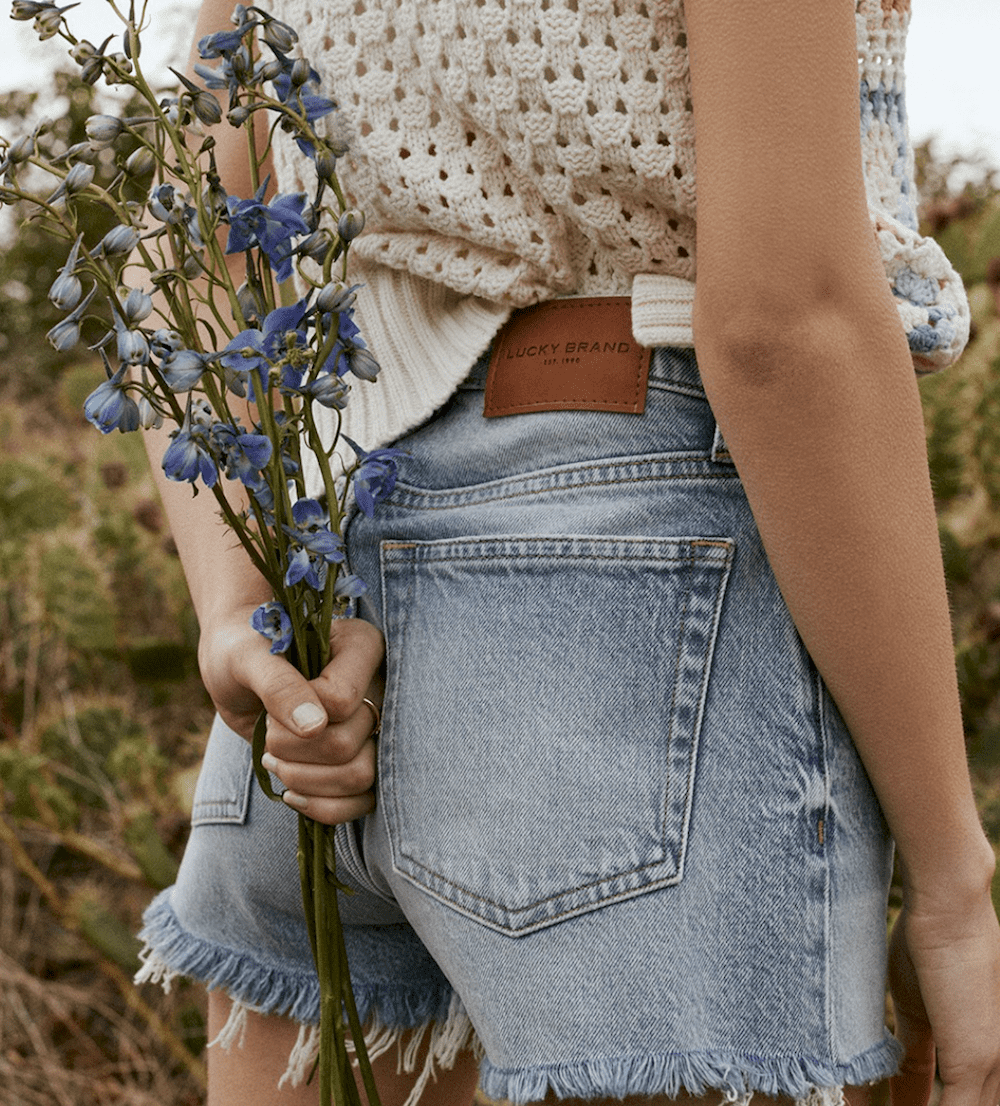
(618, 814)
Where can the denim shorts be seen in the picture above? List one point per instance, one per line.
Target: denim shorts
(621, 830)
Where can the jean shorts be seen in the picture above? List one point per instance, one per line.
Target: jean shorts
(622, 834)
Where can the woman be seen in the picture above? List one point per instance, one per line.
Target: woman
(719, 929)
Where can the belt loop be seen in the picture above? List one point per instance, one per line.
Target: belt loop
(720, 453)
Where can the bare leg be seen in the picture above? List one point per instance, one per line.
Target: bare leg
(250, 1074)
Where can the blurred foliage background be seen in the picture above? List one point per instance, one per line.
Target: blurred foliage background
(102, 715)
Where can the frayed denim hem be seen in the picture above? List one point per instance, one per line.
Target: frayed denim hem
(735, 1077)
(389, 1014)
(169, 951)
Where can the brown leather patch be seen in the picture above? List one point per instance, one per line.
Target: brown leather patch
(568, 355)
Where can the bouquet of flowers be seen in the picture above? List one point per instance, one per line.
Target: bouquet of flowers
(237, 372)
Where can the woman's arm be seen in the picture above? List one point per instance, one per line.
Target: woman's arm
(319, 730)
(807, 368)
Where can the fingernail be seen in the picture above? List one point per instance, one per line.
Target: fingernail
(307, 716)
(299, 802)
(269, 762)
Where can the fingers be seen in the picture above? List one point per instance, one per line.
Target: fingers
(357, 651)
(329, 792)
(353, 778)
(301, 707)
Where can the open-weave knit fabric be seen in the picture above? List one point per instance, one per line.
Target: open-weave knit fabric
(509, 151)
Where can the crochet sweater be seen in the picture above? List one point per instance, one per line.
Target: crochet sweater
(511, 151)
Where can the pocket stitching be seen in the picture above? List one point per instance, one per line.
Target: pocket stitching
(721, 564)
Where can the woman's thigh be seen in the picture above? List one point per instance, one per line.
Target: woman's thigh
(250, 1071)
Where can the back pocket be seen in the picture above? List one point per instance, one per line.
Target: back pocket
(222, 793)
(542, 712)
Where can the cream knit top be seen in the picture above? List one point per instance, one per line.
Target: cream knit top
(511, 151)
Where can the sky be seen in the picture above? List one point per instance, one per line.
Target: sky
(952, 63)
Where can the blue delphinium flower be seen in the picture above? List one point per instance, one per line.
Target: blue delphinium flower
(312, 531)
(350, 354)
(328, 390)
(182, 369)
(375, 477)
(296, 84)
(303, 565)
(271, 226)
(188, 456)
(255, 351)
(350, 586)
(109, 407)
(271, 620)
(242, 455)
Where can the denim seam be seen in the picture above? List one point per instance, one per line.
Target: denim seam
(463, 499)
(673, 706)
(352, 857)
(828, 831)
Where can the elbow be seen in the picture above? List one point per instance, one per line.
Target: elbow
(764, 337)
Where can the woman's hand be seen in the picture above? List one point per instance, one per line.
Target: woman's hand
(320, 733)
(944, 975)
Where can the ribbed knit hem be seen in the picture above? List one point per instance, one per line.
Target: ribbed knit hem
(661, 310)
(733, 1075)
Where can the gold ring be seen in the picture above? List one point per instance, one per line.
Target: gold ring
(378, 716)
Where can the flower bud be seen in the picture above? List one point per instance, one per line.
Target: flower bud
(91, 70)
(214, 196)
(337, 296)
(164, 342)
(21, 150)
(279, 35)
(329, 390)
(238, 115)
(82, 51)
(66, 291)
(78, 178)
(193, 266)
(182, 370)
(64, 335)
(350, 225)
(82, 151)
(362, 364)
(268, 70)
(207, 108)
(241, 65)
(137, 306)
(149, 417)
(118, 61)
(121, 239)
(316, 246)
(103, 129)
(162, 204)
(140, 162)
(133, 349)
(47, 22)
(326, 165)
(127, 38)
(301, 72)
(26, 9)
(249, 301)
